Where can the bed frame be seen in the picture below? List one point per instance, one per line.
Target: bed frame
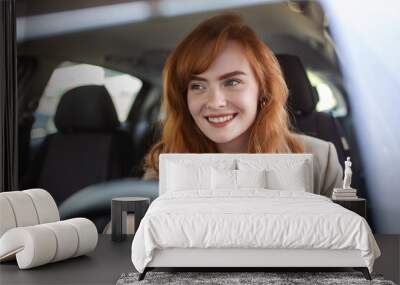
(240, 259)
(245, 259)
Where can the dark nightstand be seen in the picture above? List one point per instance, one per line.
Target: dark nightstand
(357, 205)
(119, 210)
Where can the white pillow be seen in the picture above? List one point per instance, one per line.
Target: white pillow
(182, 177)
(229, 179)
(293, 179)
(223, 179)
(251, 178)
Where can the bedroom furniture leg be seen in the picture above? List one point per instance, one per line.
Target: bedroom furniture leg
(143, 274)
(364, 271)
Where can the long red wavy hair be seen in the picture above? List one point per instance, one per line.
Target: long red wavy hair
(270, 132)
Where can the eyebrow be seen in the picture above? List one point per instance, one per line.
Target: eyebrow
(222, 77)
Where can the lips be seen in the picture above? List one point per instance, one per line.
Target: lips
(217, 120)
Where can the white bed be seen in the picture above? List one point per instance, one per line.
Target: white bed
(247, 226)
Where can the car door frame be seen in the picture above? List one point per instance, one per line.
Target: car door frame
(8, 98)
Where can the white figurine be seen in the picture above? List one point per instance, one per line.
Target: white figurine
(347, 174)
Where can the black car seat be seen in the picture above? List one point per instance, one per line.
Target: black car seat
(302, 103)
(88, 148)
(144, 111)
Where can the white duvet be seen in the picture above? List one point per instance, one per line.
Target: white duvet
(251, 218)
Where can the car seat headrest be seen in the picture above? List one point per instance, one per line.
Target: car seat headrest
(302, 98)
(86, 109)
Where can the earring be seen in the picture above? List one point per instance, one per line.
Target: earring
(263, 100)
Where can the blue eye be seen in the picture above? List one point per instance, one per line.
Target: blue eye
(232, 82)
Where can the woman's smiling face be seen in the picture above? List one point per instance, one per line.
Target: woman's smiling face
(223, 99)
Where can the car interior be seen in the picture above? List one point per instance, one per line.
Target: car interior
(90, 97)
(139, 49)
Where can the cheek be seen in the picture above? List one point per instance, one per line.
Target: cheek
(252, 100)
(191, 104)
(246, 104)
(194, 105)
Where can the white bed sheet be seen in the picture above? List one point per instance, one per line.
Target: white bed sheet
(250, 218)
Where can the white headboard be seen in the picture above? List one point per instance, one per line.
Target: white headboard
(230, 161)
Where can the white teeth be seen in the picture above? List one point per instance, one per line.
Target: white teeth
(220, 119)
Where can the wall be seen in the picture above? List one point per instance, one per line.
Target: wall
(367, 34)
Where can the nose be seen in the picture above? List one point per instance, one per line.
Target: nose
(216, 99)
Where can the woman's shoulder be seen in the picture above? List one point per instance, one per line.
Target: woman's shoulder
(324, 152)
(327, 169)
(312, 144)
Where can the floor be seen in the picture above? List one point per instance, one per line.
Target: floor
(389, 262)
(96, 268)
(102, 266)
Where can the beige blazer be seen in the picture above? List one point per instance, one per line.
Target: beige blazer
(328, 173)
(327, 170)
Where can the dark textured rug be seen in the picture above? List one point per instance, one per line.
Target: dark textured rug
(270, 278)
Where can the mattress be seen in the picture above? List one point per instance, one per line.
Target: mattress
(252, 219)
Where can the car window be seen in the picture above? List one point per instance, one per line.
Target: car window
(330, 99)
(122, 87)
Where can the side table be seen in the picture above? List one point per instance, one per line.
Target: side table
(120, 207)
(357, 205)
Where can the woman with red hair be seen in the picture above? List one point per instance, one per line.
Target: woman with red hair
(224, 92)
